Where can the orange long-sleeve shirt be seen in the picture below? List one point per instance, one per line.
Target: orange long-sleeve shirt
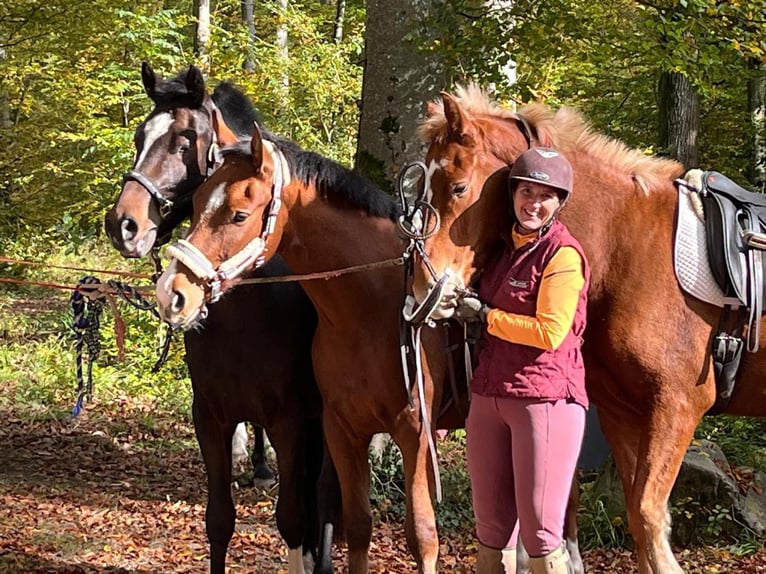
(560, 287)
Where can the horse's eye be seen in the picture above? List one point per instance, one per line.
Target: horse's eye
(182, 145)
(459, 189)
(239, 216)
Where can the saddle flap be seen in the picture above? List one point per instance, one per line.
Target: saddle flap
(726, 251)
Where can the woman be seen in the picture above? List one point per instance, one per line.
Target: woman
(527, 416)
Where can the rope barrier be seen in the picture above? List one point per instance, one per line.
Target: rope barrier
(70, 268)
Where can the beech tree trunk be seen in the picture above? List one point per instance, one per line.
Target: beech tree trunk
(202, 33)
(340, 15)
(399, 79)
(247, 17)
(756, 104)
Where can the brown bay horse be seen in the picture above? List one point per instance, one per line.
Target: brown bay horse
(329, 219)
(647, 345)
(244, 365)
(273, 197)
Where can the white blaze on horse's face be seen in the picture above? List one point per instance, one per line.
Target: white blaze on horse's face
(154, 129)
(216, 200)
(181, 302)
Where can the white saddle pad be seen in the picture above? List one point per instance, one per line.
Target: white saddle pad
(690, 257)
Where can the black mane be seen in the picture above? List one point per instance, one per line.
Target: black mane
(341, 186)
(238, 111)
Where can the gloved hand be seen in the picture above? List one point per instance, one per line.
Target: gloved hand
(471, 309)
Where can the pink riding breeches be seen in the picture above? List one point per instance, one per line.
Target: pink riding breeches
(522, 455)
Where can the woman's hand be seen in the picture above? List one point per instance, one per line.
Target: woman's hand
(471, 308)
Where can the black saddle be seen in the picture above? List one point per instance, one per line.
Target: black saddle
(735, 229)
(735, 226)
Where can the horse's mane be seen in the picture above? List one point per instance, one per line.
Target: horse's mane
(237, 109)
(564, 129)
(341, 186)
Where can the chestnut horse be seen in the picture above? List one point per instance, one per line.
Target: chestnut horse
(272, 196)
(244, 365)
(647, 345)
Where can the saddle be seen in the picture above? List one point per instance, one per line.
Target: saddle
(735, 225)
(735, 229)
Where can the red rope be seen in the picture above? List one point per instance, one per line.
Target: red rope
(144, 292)
(68, 268)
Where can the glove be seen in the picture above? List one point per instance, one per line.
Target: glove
(471, 309)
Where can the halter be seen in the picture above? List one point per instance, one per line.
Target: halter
(166, 206)
(252, 254)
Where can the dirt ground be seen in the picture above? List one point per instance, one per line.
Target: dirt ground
(113, 494)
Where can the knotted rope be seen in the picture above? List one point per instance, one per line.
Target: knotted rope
(87, 303)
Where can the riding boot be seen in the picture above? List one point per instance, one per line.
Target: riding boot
(556, 562)
(492, 561)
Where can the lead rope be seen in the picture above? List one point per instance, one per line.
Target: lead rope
(416, 345)
(87, 320)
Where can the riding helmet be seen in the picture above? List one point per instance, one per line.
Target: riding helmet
(544, 165)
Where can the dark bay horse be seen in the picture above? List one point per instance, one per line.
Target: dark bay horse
(175, 151)
(245, 364)
(329, 219)
(647, 345)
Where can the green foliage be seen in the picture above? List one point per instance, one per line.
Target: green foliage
(597, 528)
(604, 58)
(742, 439)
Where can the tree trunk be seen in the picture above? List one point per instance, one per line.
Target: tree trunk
(756, 105)
(202, 33)
(340, 15)
(399, 79)
(679, 119)
(282, 37)
(247, 17)
(5, 105)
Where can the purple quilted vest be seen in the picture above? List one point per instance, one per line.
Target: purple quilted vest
(511, 282)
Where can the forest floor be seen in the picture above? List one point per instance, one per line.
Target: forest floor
(122, 491)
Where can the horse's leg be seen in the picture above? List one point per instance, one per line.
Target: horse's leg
(239, 449)
(215, 444)
(262, 473)
(289, 440)
(420, 522)
(661, 453)
(328, 511)
(349, 453)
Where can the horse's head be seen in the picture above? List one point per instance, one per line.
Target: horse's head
(237, 224)
(471, 145)
(175, 152)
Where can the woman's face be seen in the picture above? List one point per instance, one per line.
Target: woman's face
(534, 204)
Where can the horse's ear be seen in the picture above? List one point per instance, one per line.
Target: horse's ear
(432, 108)
(195, 85)
(149, 79)
(544, 138)
(223, 133)
(256, 147)
(458, 125)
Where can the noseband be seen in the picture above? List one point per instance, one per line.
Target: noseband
(252, 254)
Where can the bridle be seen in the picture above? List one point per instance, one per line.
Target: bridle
(165, 206)
(253, 254)
(411, 226)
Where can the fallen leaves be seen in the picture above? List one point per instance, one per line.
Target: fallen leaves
(103, 496)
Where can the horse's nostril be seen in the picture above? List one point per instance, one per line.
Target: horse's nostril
(178, 301)
(129, 228)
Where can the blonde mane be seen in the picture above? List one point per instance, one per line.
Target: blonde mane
(564, 129)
